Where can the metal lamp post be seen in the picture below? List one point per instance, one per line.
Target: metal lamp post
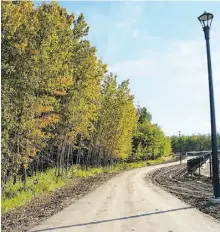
(206, 21)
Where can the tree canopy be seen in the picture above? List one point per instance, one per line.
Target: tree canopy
(193, 142)
(60, 106)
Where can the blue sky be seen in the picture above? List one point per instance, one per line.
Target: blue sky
(160, 47)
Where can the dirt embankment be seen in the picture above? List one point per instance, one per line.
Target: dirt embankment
(193, 190)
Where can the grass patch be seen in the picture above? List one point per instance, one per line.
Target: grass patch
(14, 195)
(43, 183)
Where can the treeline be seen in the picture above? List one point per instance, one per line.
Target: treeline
(59, 105)
(193, 142)
(149, 141)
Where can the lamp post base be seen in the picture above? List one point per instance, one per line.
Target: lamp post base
(214, 200)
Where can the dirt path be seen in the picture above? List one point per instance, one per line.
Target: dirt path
(130, 203)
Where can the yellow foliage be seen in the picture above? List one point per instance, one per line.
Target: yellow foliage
(47, 120)
(59, 85)
(39, 108)
(25, 166)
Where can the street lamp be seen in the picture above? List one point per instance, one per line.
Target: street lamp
(206, 21)
(180, 148)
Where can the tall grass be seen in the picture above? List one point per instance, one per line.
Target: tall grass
(14, 195)
(43, 183)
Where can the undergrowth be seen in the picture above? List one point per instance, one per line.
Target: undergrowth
(43, 183)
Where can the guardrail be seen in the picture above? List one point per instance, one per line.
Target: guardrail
(195, 163)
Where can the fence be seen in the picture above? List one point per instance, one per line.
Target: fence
(195, 163)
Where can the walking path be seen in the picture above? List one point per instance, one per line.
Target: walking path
(130, 202)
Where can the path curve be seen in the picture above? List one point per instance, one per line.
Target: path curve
(130, 202)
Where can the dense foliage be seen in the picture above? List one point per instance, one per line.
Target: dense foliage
(149, 141)
(59, 105)
(192, 143)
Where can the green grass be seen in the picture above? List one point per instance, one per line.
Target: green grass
(43, 183)
(14, 195)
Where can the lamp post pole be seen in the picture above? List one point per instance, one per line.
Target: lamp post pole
(180, 148)
(205, 19)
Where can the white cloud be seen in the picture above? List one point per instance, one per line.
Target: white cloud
(174, 84)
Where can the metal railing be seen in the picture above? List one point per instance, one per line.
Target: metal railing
(195, 163)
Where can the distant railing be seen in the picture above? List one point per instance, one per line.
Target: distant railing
(195, 163)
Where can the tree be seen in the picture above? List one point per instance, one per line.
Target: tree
(18, 22)
(59, 107)
(144, 115)
(191, 143)
(117, 119)
(150, 137)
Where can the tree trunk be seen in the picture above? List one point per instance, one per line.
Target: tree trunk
(67, 160)
(35, 167)
(72, 156)
(32, 168)
(57, 162)
(24, 177)
(42, 163)
(63, 158)
(5, 178)
(79, 151)
(14, 179)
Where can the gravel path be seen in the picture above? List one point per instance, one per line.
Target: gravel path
(130, 202)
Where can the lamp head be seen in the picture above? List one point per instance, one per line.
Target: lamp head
(206, 19)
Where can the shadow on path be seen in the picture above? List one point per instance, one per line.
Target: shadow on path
(111, 220)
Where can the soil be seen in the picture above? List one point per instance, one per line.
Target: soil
(194, 190)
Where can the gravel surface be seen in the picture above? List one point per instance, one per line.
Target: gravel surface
(129, 202)
(110, 206)
(40, 208)
(193, 190)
